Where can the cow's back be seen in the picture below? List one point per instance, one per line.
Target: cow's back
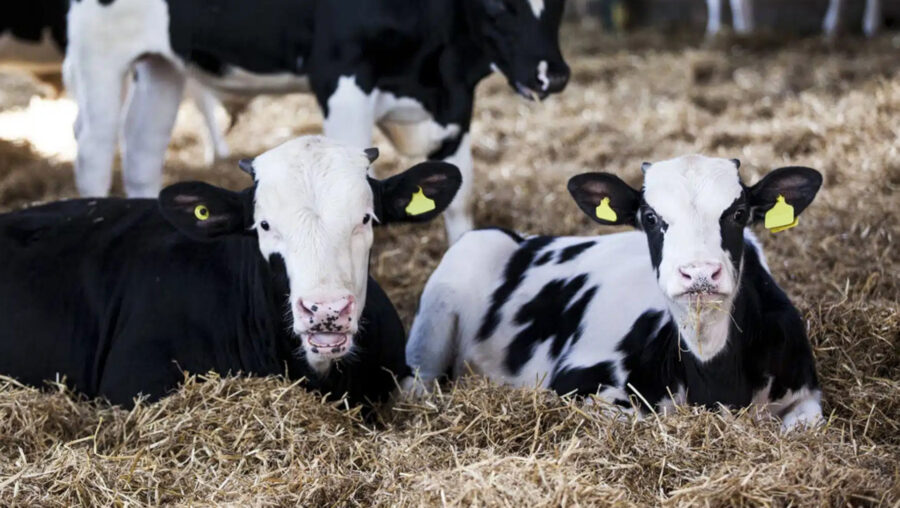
(109, 295)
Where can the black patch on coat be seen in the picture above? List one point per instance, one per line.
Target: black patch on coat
(545, 258)
(584, 381)
(551, 313)
(29, 19)
(513, 275)
(732, 231)
(571, 252)
(656, 234)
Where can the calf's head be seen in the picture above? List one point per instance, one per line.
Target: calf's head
(312, 209)
(521, 38)
(693, 210)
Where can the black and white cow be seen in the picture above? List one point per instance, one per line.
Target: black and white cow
(33, 39)
(408, 66)
(742, 15)
(694, 318)
(120, 296)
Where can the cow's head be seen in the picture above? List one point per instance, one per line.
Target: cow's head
(521, 38)
(693, 210)
(312, 209)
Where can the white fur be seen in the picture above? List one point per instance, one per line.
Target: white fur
(537, 7)
(542, 75)
(313, 194)
(689, 194)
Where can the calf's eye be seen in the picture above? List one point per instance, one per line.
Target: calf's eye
(366, 218)
(740, 215)
(264, 225)
(650, 217)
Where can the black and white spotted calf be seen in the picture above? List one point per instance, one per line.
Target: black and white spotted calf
(408, 66)
(696, 317)
(120, 295)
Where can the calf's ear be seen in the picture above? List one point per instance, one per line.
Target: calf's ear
(605, 198)
(795, 184)
(202, 211)
(419, 194)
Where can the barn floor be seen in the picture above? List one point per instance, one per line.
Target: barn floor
(266, 442)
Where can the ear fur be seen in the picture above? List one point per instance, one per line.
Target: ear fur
(797, 184)
(419, 194)
(202, 211)
(605, 198)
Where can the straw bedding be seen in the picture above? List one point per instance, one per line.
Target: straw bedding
(269, 442)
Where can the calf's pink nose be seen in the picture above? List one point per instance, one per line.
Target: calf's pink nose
(326, 311)
(693, 273)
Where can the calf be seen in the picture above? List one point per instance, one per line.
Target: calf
(871, 23)
(33, 39)
(741, 13)
(694, 318)
(120, 296)
(408, 66)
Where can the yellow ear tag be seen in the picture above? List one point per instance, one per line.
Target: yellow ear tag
(420, 204)
(780, 216)
(605, 212)
(201, 212)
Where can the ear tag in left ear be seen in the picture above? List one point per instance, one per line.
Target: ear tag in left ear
(605, 212)
(780, 216)
(420, 204)
(201, 212)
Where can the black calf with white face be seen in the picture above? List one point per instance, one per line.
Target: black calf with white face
(312, 209)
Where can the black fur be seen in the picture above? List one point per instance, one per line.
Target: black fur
(513, 275)
(571, 252)
(28, 20)
(108, 294)
(553, 312)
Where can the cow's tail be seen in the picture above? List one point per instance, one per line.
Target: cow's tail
(432, 347)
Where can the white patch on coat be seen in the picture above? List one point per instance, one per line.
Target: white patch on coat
(537, 7)
(542, 75)
(313, 194)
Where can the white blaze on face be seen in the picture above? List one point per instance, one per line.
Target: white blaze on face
(689, 194)
(537, 7)
(313, 195)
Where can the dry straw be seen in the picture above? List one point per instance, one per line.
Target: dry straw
(269, 442)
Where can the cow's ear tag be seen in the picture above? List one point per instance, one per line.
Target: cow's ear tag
(420, 203)
(780, 216)
(605, 212)
(201, 212)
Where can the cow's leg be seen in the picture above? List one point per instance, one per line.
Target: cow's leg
(155, 97)
(97, 86)
(215, 147)
(458, 216)
(872, 18)
(742, 13)
(714, 21)
(805, 410)
(832, 23)
(350, 114)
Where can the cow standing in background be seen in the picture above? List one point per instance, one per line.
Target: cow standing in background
(33, 38)
(871, 24)
(408, 66)
(742, 13)
(685, 311)
(119, 296)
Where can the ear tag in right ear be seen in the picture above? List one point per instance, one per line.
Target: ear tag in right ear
(420, 204)
(201, 212)
(605, 212)
(780, 216)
